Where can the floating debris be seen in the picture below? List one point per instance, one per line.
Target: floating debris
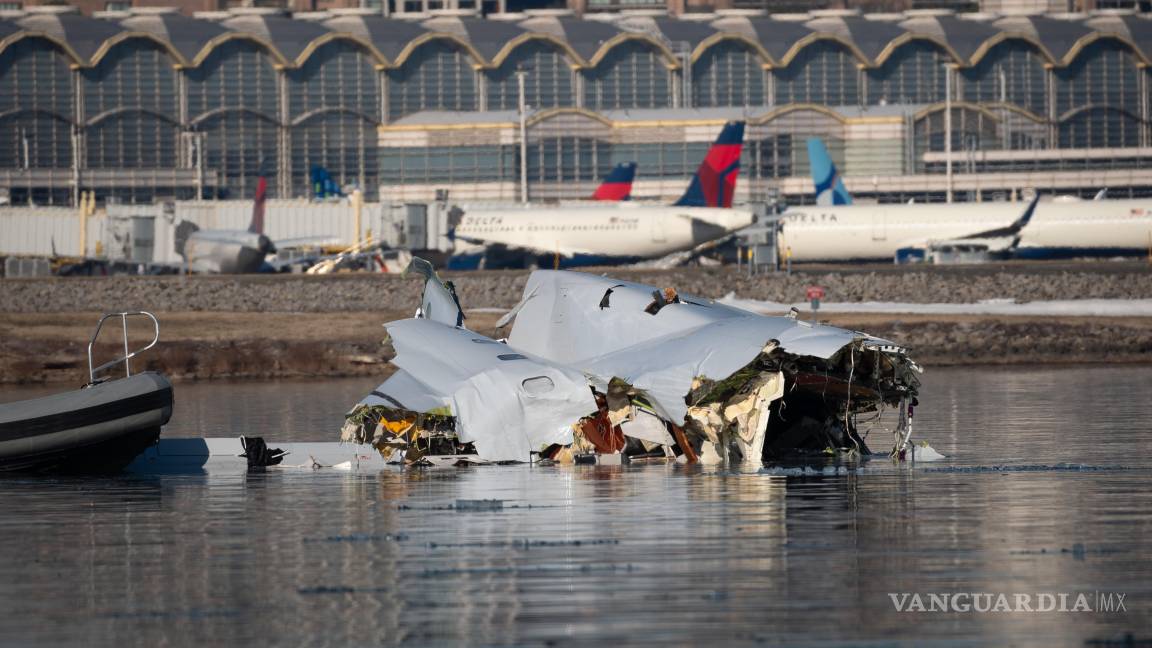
(597, 370)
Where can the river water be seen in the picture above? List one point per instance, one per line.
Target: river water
(1047, 488)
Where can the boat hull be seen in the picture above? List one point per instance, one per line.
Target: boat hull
(95, 430)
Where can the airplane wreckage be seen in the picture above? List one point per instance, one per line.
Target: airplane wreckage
(598, 370)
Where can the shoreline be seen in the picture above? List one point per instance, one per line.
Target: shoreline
(259, 327)
(51, 348)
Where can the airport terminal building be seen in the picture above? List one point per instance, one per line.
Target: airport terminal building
(153, 105)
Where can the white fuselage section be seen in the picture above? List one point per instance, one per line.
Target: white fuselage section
(226, 251)
(875, 232)
(619, 230)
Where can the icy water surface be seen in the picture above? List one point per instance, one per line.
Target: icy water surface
(655, 554)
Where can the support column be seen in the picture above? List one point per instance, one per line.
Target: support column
(948, 129)
(1145, 86)
(1050, 105)
(284, 141)
(78, 132)
(577, 88)
(481, 90)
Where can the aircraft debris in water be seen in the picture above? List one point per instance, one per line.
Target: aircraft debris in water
(600, 370)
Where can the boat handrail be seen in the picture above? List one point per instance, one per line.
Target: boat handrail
(127, 355)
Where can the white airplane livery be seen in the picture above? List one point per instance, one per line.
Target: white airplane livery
(621, 232)
(1055, 229)
(227, 251)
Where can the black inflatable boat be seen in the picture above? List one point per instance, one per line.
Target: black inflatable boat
(99, 428)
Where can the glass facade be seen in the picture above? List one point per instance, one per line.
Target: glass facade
(825, 72)
(728, 74)
(631, 75)
(438, 76)
(547, 83)
(136, 114)
(914, 74)
(1011, 72)
(400, 166)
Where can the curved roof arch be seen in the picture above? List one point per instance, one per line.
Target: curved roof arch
(720, 38)
(211, 46)
(330, 38)
(119, 112)
(435, 37)
(224, 111)
(124, 37)
(1081, 46)
(290, 37)
(1008, 37)
(624, 38)
(585, 43)
(40, 112)
(1079, 110)
(388, 37)
(186, 35)
(909, 38)
(816, 38)
(63, 47)
(573, 57)
(327, 110)
(83, 36)
(984, 109)
(552, 113)
(776, 113)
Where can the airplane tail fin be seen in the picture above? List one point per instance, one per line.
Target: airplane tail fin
(323, 186)
(183, 231)
(257, 224)
(830, 188)
(714, 183)
(617, 184)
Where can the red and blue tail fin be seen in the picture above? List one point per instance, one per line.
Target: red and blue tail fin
(617, 184)
(715, 181)
(257, 224)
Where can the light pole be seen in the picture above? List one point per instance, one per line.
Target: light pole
(948, 129)
(521, 73)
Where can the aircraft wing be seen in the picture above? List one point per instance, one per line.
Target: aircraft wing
(999, 239)
(506, 403)
(307, 241)
(1012, 230)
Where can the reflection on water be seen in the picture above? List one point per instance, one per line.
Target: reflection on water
(651, 554)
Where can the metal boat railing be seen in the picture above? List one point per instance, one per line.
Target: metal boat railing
(127, 355)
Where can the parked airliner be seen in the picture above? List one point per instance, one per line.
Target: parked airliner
(623, 232)
(1057, 229)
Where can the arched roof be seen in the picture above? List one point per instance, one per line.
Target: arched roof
(389, 37)
(486, 37)
(7, 29)
(1060, 39)
(80, 35)
(585, 37)
(962, 37)
(187, 36)
(870, 37)
(774, 38)
(290, 37)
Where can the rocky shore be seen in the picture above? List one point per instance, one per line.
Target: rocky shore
(502, 289)
(264, 327)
